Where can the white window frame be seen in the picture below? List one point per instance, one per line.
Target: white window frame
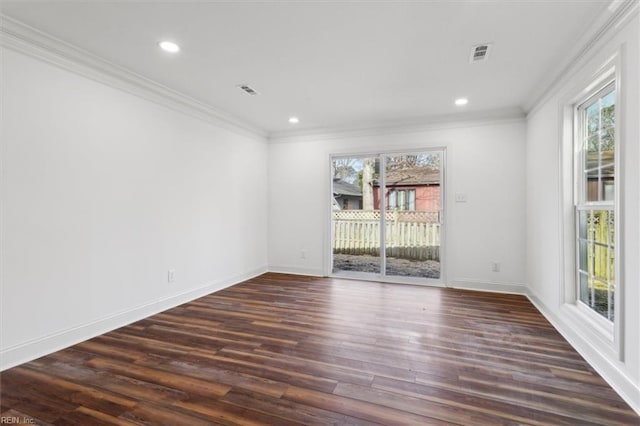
(581, 202)
(600, 332)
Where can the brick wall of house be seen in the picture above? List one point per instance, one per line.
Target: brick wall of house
(428, 197)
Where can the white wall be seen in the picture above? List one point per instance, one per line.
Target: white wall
(544, 201)
(102, 193)
(484, 160)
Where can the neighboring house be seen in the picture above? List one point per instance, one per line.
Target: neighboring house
(347, 196)
(410, 189)
(600, 178)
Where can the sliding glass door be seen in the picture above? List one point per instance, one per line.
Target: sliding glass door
(355, 220)
(413, 185)
(386, 216)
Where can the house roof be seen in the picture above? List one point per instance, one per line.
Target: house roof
(341, 187)
(413, 176)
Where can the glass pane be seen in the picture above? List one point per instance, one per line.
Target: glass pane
(596, 259)
(593, 143)
(609, 191)
(600, 183)
(582, 255)
(601, 299)
(607, 183)
(584, 289)
(593, 119)
(356, 216)
(589, 300)
(600, 262)
(607, 140)
(413, 231)
(611, 227)
(607, 106)
(593, 185)
(582, 224)
(612, 293)
(598, 145)
(599, 223)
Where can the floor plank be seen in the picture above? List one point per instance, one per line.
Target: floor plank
(285, 350)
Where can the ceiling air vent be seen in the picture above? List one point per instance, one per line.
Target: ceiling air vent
(248, 89)
(480, 52)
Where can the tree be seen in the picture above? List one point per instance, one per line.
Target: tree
(411, 161)
(345, 169)
(601, 125)
(368, 170)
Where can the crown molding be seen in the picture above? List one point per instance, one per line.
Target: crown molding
(439, 122)
(24, 39)
(612, 18)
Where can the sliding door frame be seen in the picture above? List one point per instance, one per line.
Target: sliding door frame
(382, 276)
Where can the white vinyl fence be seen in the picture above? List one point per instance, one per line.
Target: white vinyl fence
(409, 234)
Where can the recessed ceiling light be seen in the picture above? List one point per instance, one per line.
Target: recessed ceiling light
(462, 101)
(294, 120)
(169, 46)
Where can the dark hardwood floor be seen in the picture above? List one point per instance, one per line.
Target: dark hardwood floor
(284, 350)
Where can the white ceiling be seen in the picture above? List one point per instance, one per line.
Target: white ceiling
(333, 64)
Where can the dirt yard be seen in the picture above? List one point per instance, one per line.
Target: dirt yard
(395, 266)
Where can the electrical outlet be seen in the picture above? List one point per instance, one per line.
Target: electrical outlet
(461, 197)
(495, 266)
(303, 254)
(171, 275)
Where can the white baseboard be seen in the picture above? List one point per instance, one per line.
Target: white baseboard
(296, 270)
(617, 379)
(24, 352)
(496, 287)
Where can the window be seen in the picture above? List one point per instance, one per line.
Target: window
(595, 209)
(402, 199)
(396, 234)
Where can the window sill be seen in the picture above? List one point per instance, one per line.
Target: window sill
(599, 335)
